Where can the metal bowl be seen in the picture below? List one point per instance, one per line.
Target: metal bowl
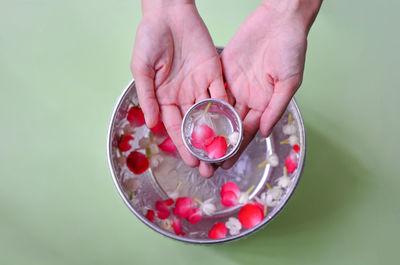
(218, 106)
(141, 192)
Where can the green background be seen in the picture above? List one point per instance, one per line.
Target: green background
(64, 63)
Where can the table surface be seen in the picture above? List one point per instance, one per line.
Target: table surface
(64, 63)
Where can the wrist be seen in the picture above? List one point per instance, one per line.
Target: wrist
(151, 5)
(303, 12)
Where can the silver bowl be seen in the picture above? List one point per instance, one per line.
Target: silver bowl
(140, 192)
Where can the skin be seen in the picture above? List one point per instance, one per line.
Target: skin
(175, 64)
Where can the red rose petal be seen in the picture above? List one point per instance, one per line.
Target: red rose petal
(296, 148)
(135, 116)
(217, 148)
(159, 129)
(229, 199)
(219, 230)
(176, 224)
(137, 162)
(259, 205)
(150, 215)
(230, 186)
(194, 215)
(168, 146)
(183, 207)
(163, 215)
(124, 144)
(250, 215)
(202, 136)
(164, 205)
(290, 164)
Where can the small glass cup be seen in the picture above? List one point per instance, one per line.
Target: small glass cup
(222, 118)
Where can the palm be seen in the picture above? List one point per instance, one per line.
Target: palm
(263, 65)
(175, 64)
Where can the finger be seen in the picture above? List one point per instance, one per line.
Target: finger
(184, 108)
(241, 109)
(206, 169)
(217, 90)
(250, 127)
(144, 80)
(172, 119)
(281, 97)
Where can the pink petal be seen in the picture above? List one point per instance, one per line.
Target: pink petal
(168, 146)
(230, 186)
(202, 136)
(159, 129)
(250, 215)
(217, 148)
(123, 144)
(229, 199)
(183, 207)
(135, 116)
(164, 205)
(290, 164)
(137, 162)
(194, 216)
(176, 224)
(296, 148)
(259, 205)
(150, 215)
(219, 230)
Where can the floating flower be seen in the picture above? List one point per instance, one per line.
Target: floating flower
(234, 226)
(274, 196)
(284, 181)
(217, 148)
(162, 208)
(233, 138)
(137, 162)
(168, 146)
(292, 140)
(250, 215)
(202, 136)
(229, 194)
(131, 185)
(183, 207)
(166, 225)
(194, 216)
(272, 160)
(289, 128)
(207, 207)
(244, 197)
(150, 215)
(135, 116)
(291, 162)
(204, 117)
(176, 225)
(219, 230)
(159, 129)
(124, 143)
(296, 148)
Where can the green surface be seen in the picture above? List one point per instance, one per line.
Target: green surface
(64, 63)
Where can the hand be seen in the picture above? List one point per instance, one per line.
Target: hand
(263, 65)
(175, 64)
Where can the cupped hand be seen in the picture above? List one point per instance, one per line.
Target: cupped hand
(263, 67)
(175, 64)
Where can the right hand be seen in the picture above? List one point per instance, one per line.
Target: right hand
(175, 64)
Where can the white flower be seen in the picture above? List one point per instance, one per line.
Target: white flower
(233, 138)
(274, 196)
(234, 226)
(284, 182)
(293, 139)
(207, 207)
(243, 198)
(173, 195)
(155, 160)
(273, 160)
(166, 224)
(289, 129)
